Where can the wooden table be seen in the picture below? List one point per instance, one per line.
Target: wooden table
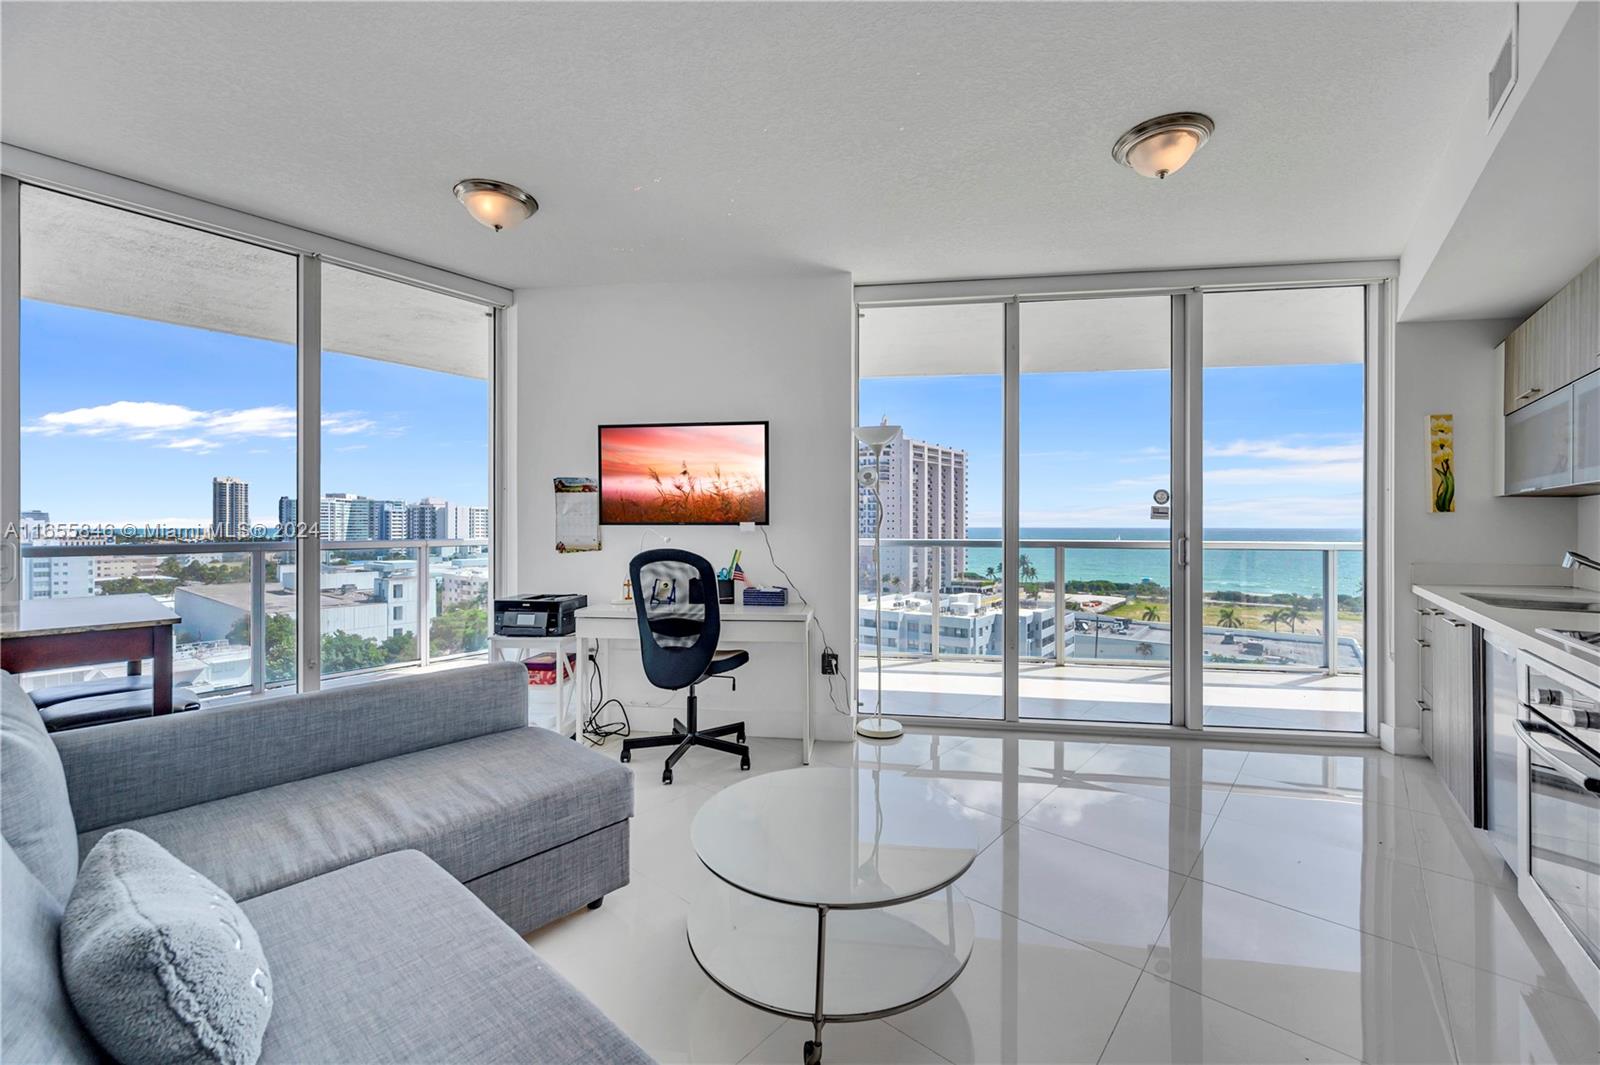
(89, 630)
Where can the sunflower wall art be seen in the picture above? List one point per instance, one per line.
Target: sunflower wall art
(1442, 462)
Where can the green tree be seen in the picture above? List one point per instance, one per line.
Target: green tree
(1276, 617)
(1293, 615)
(1150, 613)
(399, 647)
(280, 644)
(1028, 574)
(462, 628)
(1144, 650)
(1228, 618)
(343, 652)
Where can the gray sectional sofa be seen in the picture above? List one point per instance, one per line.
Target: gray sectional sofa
(388, 841)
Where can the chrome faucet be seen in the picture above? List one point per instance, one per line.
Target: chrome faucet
(1573, 560)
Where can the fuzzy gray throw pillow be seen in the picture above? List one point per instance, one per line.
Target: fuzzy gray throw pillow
(160, 963)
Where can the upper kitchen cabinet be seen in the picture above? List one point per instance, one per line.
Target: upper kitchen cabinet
(1558, 345)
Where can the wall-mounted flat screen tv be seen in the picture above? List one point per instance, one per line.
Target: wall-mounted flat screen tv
(684, 473)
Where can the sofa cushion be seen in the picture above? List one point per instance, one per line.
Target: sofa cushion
(160, 963)
(35, 811)
(392, 960)
(37, 1022)
(473, 807)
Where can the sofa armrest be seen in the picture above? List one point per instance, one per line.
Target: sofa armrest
(149, 766)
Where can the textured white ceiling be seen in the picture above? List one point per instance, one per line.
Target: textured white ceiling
(670, 141)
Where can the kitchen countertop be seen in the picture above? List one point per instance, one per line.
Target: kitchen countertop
(1517, 625)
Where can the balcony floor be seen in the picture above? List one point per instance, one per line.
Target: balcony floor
(1135, 694)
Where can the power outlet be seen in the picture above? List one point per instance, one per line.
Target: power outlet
(830, 663)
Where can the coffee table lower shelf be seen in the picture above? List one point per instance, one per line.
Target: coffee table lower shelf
(873, 962)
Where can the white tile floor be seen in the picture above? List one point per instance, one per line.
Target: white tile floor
(1135, 902)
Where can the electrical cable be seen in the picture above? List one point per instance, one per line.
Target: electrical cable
(827, 648)
(593, 730)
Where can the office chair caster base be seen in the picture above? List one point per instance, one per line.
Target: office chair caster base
(666, 776)
(625, 757)
(745, 765)
(813, 1052)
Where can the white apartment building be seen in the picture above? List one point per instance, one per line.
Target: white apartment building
(924, 491)
(230, 508)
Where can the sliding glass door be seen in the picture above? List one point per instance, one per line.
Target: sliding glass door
(1094, 548)
(1165, 501)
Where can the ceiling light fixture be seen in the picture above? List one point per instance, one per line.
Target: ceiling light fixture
(494, 203)
(1163, 145)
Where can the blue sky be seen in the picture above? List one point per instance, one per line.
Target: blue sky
(1283, 443)
(127, 420)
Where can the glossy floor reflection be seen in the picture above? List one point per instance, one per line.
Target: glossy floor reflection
(1136, 902)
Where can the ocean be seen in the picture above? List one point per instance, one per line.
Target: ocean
(1277, 572)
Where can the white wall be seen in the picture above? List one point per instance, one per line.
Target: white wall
(1589, 537)
(776, 350)
(1450, 368)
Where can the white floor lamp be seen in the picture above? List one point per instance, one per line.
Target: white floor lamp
(876, 438)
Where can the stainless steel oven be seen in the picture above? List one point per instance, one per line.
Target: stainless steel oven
(1558, 774)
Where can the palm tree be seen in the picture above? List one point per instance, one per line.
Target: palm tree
(1150, 613)
(990, 574)
(1228, 618)
(1144, 650)
(1292, 615)
(1275, 617)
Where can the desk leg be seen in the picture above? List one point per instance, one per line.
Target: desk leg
(161, 683)
(805, 681)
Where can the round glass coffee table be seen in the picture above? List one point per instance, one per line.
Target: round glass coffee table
(855, 869)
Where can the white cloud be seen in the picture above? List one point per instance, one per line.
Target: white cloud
(1309, 474)
(1348, 449)
(176, 427)
(139, 419)
(198, 444)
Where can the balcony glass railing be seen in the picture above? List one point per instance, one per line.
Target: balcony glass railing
(384, 604)
(1290, 606)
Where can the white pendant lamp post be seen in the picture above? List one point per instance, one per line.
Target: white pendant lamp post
(876, 438)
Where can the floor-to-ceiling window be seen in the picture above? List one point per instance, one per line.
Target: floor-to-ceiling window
(936, 373)
(405, 472)
(1184, 475)
(162, 445)
(158, 402)
(1284, 468)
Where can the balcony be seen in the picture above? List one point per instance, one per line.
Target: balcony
(1282, 640)
(385, 605)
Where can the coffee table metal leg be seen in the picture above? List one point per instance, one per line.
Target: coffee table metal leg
(814, 1045)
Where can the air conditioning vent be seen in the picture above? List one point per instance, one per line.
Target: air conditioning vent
(1503, 75)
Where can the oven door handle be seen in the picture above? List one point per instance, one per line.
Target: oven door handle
(1526, 733)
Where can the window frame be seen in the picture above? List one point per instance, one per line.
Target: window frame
(20, 167)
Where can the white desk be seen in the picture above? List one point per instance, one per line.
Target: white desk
(741, 626)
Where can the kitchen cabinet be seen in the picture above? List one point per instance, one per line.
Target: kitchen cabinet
(1558, 345)
(1538, 444)
(1451, 736)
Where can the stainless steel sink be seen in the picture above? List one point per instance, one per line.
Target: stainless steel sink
(1537, 602)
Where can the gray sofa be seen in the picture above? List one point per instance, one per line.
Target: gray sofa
(388, 841)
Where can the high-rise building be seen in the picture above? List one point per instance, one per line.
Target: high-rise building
(389, 519)
(288, 507)
(923, 487)
(428, 519)
(230, 508)
(478, 523)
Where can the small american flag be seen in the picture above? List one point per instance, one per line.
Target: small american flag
(738, 573)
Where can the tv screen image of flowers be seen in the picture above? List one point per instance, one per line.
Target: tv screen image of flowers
(702, 474)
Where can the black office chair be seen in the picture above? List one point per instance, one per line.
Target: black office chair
(675, 597)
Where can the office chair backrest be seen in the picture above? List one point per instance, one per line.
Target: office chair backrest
(675, 599)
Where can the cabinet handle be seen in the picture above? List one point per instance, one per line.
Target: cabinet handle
(1529, 394)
